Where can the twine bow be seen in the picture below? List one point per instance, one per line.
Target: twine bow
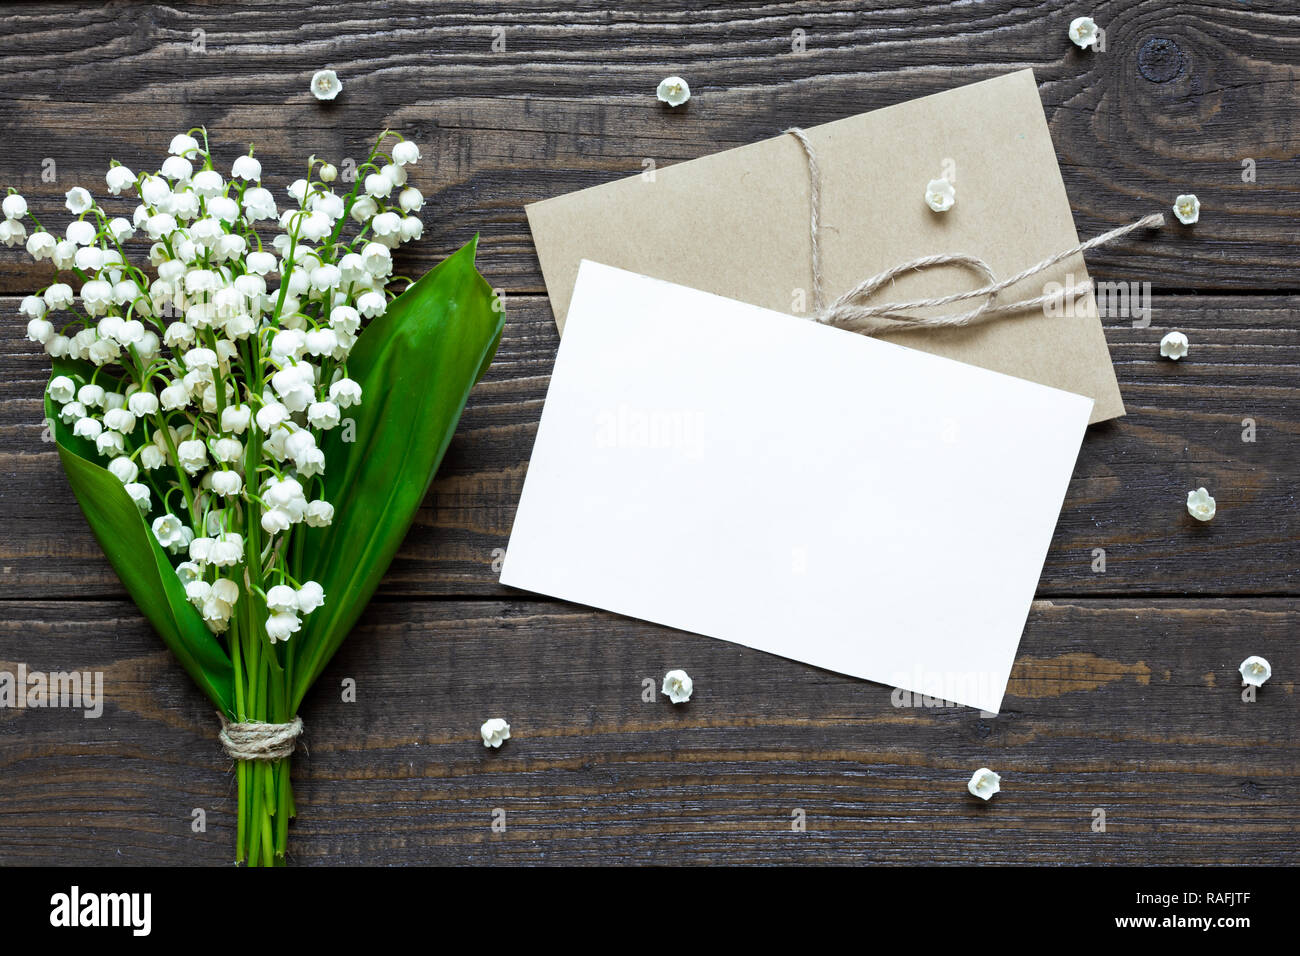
(259, 741)
(851, 311)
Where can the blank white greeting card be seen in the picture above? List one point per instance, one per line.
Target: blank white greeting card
(857, 505)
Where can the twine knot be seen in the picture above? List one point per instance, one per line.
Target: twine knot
(259, 741)
(851, 311)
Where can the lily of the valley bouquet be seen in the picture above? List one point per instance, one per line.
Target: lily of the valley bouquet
(251, 428)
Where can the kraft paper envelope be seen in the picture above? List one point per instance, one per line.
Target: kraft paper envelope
(724, 469)
(736, 223)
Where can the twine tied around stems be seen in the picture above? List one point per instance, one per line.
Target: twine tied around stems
(259, 741)
(850, 311)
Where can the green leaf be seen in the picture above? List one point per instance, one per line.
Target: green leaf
(140, 562)
(416, 365)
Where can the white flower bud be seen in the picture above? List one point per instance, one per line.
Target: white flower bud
(494, 732)
(984, 783)
(673, 90)
(319, 514)
(940, 195)
(1200, 505)
(678, 686)
(279, 627)
(124, 470)
(1188, 209)
(1255, 671)
(227, 483)
(406, 153)
(1174, 345)
(325, 85)
(310, 596)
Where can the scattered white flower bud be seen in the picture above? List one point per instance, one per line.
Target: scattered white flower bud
(1187, 208)
(1083, 32)
(495, 732)
(673, 90)
(1200, 505)
(984, 783)
(1254, 671)
(1174, 345)
(325, 85)
(940, 195)
(678, 686)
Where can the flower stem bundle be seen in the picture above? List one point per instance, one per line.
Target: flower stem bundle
(250, 429)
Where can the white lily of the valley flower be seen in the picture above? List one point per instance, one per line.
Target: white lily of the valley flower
(673, 90)
(345, 393)
(140, 495)
(246, 168)
(118, 179)
(940, 195)
(78, 200)
(62, 389)
(183, 144)
(1174, 345)
(1083, 32)
(319, 514)
(12, 232)
(984, 783)
(678, 686)
(495, 732)
(281, 626)
(1200, 505)
(14, 206)
(1187, 208)
(1254, 671)
(40, 245)
(310, 596)
(325, 85)
(406, 153)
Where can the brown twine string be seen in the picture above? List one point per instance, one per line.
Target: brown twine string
(850, 310)
(259, 741)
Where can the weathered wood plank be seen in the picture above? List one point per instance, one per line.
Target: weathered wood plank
(1132, 706)
(1178, 101)
(1184, 429)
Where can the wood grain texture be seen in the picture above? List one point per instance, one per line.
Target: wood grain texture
(1125, 695)
(1130, 706)
(1182, 95)
(1183, 430)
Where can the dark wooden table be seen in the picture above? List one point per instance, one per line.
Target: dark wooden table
(1125, 696)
